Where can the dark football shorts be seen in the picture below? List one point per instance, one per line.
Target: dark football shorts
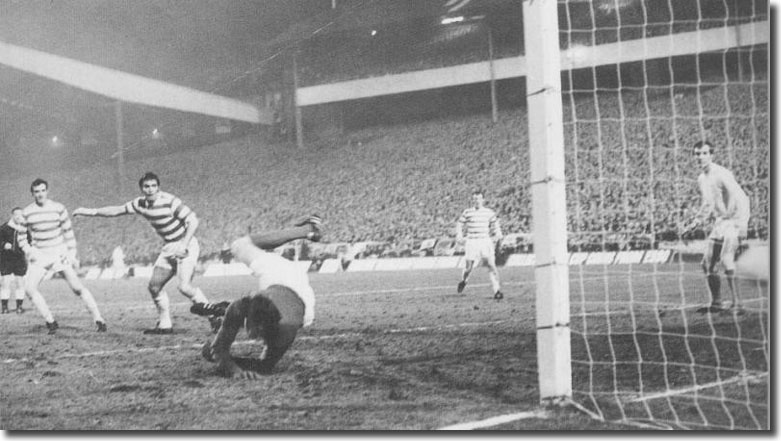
(13, 264)
(291, 308)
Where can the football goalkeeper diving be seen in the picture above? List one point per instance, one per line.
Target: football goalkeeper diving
(283, 303)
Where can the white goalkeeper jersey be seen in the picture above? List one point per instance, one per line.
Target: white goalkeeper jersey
(723, 196)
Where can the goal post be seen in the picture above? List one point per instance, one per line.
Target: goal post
(618, 92)
(549, 207)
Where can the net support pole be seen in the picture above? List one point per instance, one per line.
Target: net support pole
(296, 106)
(120, 128)
(549, 208)
(492, 68)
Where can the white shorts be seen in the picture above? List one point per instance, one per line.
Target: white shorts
(54, 259)
(726, 229)
(479, 249)
(167, 260)
(273, 269)
(726, 235)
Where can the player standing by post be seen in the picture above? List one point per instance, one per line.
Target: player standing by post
(52, 247)
(482, 232)
(176, 224)
(13, 265)
(727, 204)
(283, 304)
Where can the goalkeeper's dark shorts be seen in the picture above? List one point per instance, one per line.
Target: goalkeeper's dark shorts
(279, 338)
(291, 309)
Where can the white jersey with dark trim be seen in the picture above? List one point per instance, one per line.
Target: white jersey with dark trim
(723, 195)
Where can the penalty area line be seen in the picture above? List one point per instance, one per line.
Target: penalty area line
(497, 420)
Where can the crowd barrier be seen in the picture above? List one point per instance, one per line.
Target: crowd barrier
(331, 266)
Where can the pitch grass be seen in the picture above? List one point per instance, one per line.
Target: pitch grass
(388, 351)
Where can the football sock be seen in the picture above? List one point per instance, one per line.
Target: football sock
(92, 306)
(714, 285)
(494, 278)
(41, 306)
(19, 302)
(269, 241)
(733, 287)
(163, 310)
(199, 297)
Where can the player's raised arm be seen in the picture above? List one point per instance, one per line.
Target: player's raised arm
(108, 211)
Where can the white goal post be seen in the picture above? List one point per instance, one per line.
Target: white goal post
(629, 326)
(549, 208)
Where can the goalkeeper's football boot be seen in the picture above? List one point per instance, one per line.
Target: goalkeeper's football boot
(312, 219)
(461, 286)
(316, 222)
(101, 326)
(210, 309)
(52, 327)
(498, 295)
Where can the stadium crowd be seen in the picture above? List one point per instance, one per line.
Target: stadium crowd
(631, 179)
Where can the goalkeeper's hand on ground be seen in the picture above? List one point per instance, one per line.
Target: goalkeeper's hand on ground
(207, 352)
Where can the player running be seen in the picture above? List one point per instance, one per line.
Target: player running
(13, 265)
(482, 232)
(283, 304)
(727, 204)
(176, 224)
(52, 247)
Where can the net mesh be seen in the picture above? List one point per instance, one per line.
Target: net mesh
(641, 351)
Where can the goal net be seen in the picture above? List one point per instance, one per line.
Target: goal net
(642, 81)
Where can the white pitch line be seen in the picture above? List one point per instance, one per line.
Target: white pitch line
(495, 421)
(675, 392)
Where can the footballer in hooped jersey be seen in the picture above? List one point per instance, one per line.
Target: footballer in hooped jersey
(51, 247)
(176, 224)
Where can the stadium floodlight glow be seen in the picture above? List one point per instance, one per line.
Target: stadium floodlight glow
(449, 20)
